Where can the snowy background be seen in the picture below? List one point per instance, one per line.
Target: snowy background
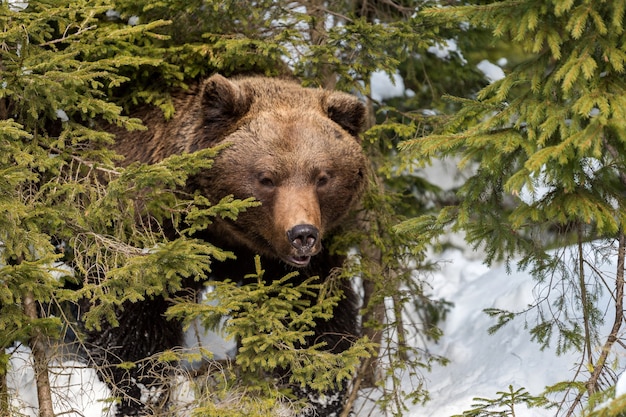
(482, 364)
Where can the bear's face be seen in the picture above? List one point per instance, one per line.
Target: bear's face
(293, 149)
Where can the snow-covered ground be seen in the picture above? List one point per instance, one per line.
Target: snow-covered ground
(482, 364)
(77, 390)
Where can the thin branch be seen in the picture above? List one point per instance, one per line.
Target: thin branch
(4, 395)
(363, 372)
(600, 365)
(619, 312)
(67, 37)
(585, 304)
(88, 164)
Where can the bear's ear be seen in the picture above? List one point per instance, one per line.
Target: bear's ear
(345, 110)
(222, 100)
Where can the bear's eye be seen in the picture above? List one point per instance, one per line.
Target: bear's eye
(266, 181)
(322, 180)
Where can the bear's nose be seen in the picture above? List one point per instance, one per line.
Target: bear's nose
(303, 236)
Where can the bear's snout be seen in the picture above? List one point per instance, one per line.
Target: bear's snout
(303, 237)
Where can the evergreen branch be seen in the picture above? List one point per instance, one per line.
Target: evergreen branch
(91, 165)
(66, 37)
(326, 10)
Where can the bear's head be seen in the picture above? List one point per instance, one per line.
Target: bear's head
(294, 149)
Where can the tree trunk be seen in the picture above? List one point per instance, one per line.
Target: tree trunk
(38, 347)
(4, 396)
(318, 36)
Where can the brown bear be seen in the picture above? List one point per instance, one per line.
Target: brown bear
(295, 150)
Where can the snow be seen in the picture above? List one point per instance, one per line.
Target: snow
(77, 390)
(198, 337)
(62, 116)
(384, 87)
(492, 71)
(17, 6)
(482, 364)
(445, 49)
(620, 387)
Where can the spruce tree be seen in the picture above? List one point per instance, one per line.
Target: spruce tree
(546, 147)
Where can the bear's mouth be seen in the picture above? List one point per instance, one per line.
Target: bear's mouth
(298, 261)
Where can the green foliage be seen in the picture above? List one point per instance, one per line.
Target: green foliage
(57, 65)
(605, 404)
(503, 406)
(536, 124)
(34, 82)
(272, 323)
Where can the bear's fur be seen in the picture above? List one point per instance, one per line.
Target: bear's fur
(295, 150)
